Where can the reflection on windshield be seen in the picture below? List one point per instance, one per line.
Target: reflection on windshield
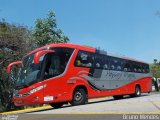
(30, 71)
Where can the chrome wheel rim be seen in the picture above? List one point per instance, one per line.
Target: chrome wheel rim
(78, 96)
(138, 91)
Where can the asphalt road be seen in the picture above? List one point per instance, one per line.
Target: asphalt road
(146, 107)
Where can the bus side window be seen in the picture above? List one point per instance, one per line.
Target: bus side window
(106, 63)
(127, 66)
(119, 68)
(112, 67)
(146, 68)
(105, 66)
(137, 67)
(78, 61)
(120, 64)
(134, 67)
(99, 61)
(111, 64)
(84, 59)
(125, 69)
(98, 65)
(143, 68)
(116, 64)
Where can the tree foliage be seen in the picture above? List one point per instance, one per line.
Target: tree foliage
(155, 68)
(46, 31)
(15, 41)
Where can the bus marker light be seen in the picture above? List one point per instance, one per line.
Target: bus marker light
(71, 81)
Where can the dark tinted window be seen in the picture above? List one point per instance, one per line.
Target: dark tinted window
(146, 68)
(84, 59)
(127, 66)
(101, 61)
(57, 61)
(135, 67)
(116, 64)
(140, 67)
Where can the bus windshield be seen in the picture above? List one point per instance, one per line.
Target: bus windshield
(50, 65)
(29, 72)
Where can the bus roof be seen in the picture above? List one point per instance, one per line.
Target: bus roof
(82, 47)
(120, 56)
(67, 45)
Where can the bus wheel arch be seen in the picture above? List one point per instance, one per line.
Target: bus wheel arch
(137, 91)
(79, 95)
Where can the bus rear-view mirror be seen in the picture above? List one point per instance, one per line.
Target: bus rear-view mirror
(12, 64)
(40, 53)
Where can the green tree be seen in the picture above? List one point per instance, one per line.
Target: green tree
(155, 68)
(46, 31)
(15, 41)
(155, 61)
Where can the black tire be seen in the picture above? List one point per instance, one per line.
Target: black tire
(56, 105)
(137, 91)
(79, 97)
(117, 97)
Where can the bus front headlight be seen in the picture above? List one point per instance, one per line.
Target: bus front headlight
(34, 90)
(37, 89)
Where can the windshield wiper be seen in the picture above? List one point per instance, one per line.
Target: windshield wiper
(22, 86)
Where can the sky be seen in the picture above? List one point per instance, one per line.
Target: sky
(128, 28)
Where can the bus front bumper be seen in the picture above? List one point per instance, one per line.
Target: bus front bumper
(27, 100)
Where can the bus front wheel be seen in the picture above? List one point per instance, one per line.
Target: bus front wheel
(79, 97)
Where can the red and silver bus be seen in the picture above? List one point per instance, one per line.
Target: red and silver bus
(57, 74)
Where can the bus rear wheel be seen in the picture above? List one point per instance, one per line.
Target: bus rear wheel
(56, 105)
(137, 91)
(79, 97)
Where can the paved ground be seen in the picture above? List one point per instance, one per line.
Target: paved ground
(146, 104)
(146, 107)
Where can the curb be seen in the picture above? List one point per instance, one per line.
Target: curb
(27, 110)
